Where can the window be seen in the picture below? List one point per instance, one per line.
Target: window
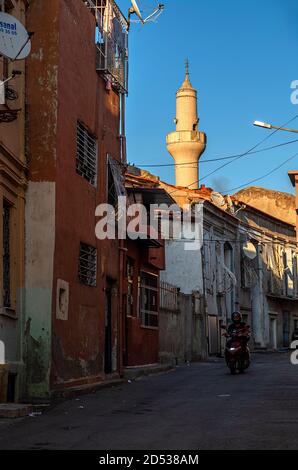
(115, 185)
(149, 299)
(112, 193)
(6, 219)
(86, 154)
(87, 265)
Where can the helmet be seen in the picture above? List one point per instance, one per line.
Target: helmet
(236, 317)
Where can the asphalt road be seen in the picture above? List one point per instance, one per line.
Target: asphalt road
(193, 408)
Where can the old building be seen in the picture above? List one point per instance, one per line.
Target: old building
(145, 259)
(268, 294)
(77, 81)
(13, 167)
(293, 175)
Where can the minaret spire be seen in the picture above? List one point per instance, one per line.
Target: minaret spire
(186, 144)
(187, 67)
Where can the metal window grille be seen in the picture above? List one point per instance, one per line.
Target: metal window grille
(87, 265)
(86, 154)
(6, 254)
(149, 292)
(169, 297)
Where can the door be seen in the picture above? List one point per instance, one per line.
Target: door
(286, 329)
(108, 331)
(213, 335)
(273, 333)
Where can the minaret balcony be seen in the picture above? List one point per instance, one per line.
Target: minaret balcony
(186, 136)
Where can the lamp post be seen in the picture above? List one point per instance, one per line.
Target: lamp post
(265, 125)
(293, 175)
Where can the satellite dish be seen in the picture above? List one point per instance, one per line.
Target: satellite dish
(218, 199)
(249, 250)
(136, 10)
(15, 41)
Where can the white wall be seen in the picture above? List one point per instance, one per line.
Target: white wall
(183, 268)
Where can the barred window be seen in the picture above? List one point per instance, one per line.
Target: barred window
(87, 265)
(149, 299)
(86, 154)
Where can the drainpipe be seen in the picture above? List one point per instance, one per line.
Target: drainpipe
(123, 136)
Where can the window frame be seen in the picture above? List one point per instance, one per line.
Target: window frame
(150, 313)
(83, 278)
(84, 138)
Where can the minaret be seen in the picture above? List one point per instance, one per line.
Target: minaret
(187, 144)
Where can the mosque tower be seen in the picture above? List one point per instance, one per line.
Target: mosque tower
(187, 143)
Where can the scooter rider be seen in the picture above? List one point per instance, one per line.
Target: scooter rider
(237, 324)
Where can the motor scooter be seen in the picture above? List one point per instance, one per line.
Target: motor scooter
(237, 353)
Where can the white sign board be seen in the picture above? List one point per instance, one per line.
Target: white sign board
(250, 250)
(2, 353)
(14, 39)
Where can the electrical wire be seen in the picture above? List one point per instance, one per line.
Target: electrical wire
(242, 155)
(262, 177)
(216, 159)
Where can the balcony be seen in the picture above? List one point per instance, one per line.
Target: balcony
(112, 44)
(186, 136)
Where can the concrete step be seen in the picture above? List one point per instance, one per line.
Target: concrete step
(72, 392)
(134, 372)
(13, 410)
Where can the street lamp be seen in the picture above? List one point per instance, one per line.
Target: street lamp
(265, 125)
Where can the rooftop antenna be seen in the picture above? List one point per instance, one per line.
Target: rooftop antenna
(134, 9)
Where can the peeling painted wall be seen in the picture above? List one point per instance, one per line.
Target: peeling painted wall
(40, 246)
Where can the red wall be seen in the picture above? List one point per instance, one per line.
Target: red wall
(142, 343)
(82, 95)
(65, 32)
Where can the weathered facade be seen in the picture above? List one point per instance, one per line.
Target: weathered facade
(293, 175)
(145, 259)
(269, 293)
(13, 168)
(225, 279)
(73, 291)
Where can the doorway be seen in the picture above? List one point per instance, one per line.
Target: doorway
(108, 331)
(213, 334)
(286, 329)
(273, 332)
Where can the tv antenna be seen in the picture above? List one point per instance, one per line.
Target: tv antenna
(134, 9)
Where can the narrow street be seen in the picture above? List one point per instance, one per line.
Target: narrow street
(195, 407)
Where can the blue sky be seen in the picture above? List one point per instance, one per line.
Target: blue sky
(243, 58)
